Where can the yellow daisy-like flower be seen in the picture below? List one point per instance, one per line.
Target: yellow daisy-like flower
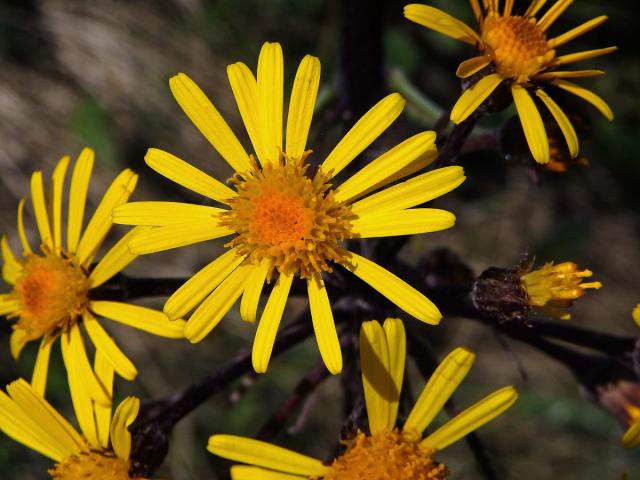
(284, 216)
(100, 452)
(51, 295)
(387, 451)
(631, 438)
(553, 288)
(514, 49)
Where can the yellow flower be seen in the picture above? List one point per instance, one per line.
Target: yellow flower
(553, 288)
(386, 451)
(101, 451)
(282, 214)
(51, 295)
(516, 50)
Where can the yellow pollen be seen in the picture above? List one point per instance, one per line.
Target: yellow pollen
(555, 287)
(94, 465)
(289, 218)
(517, 46)
(51, 292)
(385, 456)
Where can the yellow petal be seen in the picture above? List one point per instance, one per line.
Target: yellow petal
(78, 197)
(577, 31)
(472, 65)
(21, 231)
(209, 121)
(105, 344)
(187, 175)
(115, 260)
(549, 76)
(17, 341)
(141, 318)
(40, 208)
(301, 104)
(262, 454)
(11, 268)
(176, 235)
(397, 291)
(252, 291)
(123, 417)
(580, 56)
(159, 214)
(477, 12)
(363, 133)
(243, 472)
(443, 382)
(587, 95)
(386, 165)
(471, 419)
(379, 388)
(441, 22)
(631, 437)
(79, 390)
(508, 7)
(55, 199)
(118, 193)
(245, 91)
(553, 13)
(324, 325)
(269, 322)
(473, 97)
(42, 417)
(39, 377)
(216, 305)
(532, 124)
(636, 314)
(83, 367)
(104, 373)
(194, 290)
(534, 7)
(397, 343)
(412, 192)
(403, 222)
(563, 122)
(270, 100)
(8, 304)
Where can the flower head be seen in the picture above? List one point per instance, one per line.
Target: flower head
(52, 284)
(553, 288)
(286, 219)
(386, 451)
(516, 50)
(100, 452)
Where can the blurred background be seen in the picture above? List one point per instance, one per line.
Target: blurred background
(75, 74)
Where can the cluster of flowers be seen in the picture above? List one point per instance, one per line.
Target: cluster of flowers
(286, 219)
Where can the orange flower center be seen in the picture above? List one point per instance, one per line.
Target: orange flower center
(288, 218)
(95, 465)
(51, 292)
(384, 456)
(517, 46)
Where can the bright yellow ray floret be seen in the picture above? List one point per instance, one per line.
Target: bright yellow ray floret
(51, 285)
(285, 219)
(516, 50)
(100, 452)
(386, 451)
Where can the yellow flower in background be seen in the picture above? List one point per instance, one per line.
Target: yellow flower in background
(631, 437)
(553, 288)
(51, 295)
(283, 215)
(101, 451)
(516, 49)
(387, 451)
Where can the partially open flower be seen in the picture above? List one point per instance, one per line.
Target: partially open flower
(387, 451)
(553, 288)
